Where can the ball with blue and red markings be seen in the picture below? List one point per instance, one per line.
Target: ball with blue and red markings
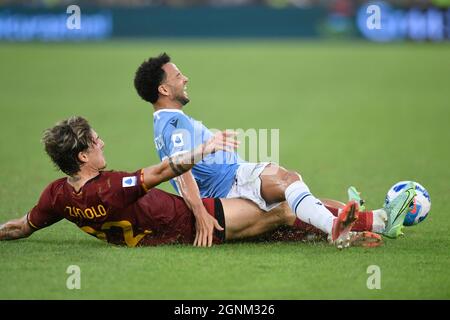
(421, 204)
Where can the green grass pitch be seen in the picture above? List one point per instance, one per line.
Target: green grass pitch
(349, 114)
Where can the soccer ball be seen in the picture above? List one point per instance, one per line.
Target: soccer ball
(421, 206)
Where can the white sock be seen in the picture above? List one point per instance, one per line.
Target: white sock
(308, 208)
(379, 220)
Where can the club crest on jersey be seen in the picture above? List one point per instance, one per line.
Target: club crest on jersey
(177, 140)
(129, 182)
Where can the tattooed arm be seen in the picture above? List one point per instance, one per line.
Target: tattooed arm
(204, 222)
(15, 229)
(179, 164)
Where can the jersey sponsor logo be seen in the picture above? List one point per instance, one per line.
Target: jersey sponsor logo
(129, 182)
(177, 140)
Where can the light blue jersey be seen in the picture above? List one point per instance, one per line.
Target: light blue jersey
(175, 133)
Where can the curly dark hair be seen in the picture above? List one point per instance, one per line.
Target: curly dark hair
(149, 76)
(65, 141)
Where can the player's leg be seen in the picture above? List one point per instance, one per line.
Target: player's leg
(387, 220)
(360, 235)
(248, 220)
(244, 219)
(367, 220)
(278, 184)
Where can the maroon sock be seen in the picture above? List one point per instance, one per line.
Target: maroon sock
(306, 227)
(333, 210)
(364, 222)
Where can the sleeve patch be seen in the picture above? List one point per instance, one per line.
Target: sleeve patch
(129, 181)
(177, 140)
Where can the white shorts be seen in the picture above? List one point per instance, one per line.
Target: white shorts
(247, 184)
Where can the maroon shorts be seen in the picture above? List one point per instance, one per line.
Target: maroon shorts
(173, 222)
(215, 209)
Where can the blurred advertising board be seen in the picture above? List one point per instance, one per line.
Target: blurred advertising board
(416, 24)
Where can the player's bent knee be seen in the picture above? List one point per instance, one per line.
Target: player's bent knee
(291, 177)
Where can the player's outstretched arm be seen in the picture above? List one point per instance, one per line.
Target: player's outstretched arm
(179, 164)
(204, 222)
(15, 229)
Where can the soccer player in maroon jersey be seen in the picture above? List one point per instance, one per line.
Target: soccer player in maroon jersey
(118, 207)
(123, 208)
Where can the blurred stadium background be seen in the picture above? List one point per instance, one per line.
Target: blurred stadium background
(310, 68)
(104, 19)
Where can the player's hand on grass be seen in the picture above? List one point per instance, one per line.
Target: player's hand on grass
(204, 226)
(222, 140)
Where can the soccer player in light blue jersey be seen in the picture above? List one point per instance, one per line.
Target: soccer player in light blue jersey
(176, 133)
(225, 175)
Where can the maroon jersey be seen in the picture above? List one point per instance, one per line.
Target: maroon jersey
(115, 207)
